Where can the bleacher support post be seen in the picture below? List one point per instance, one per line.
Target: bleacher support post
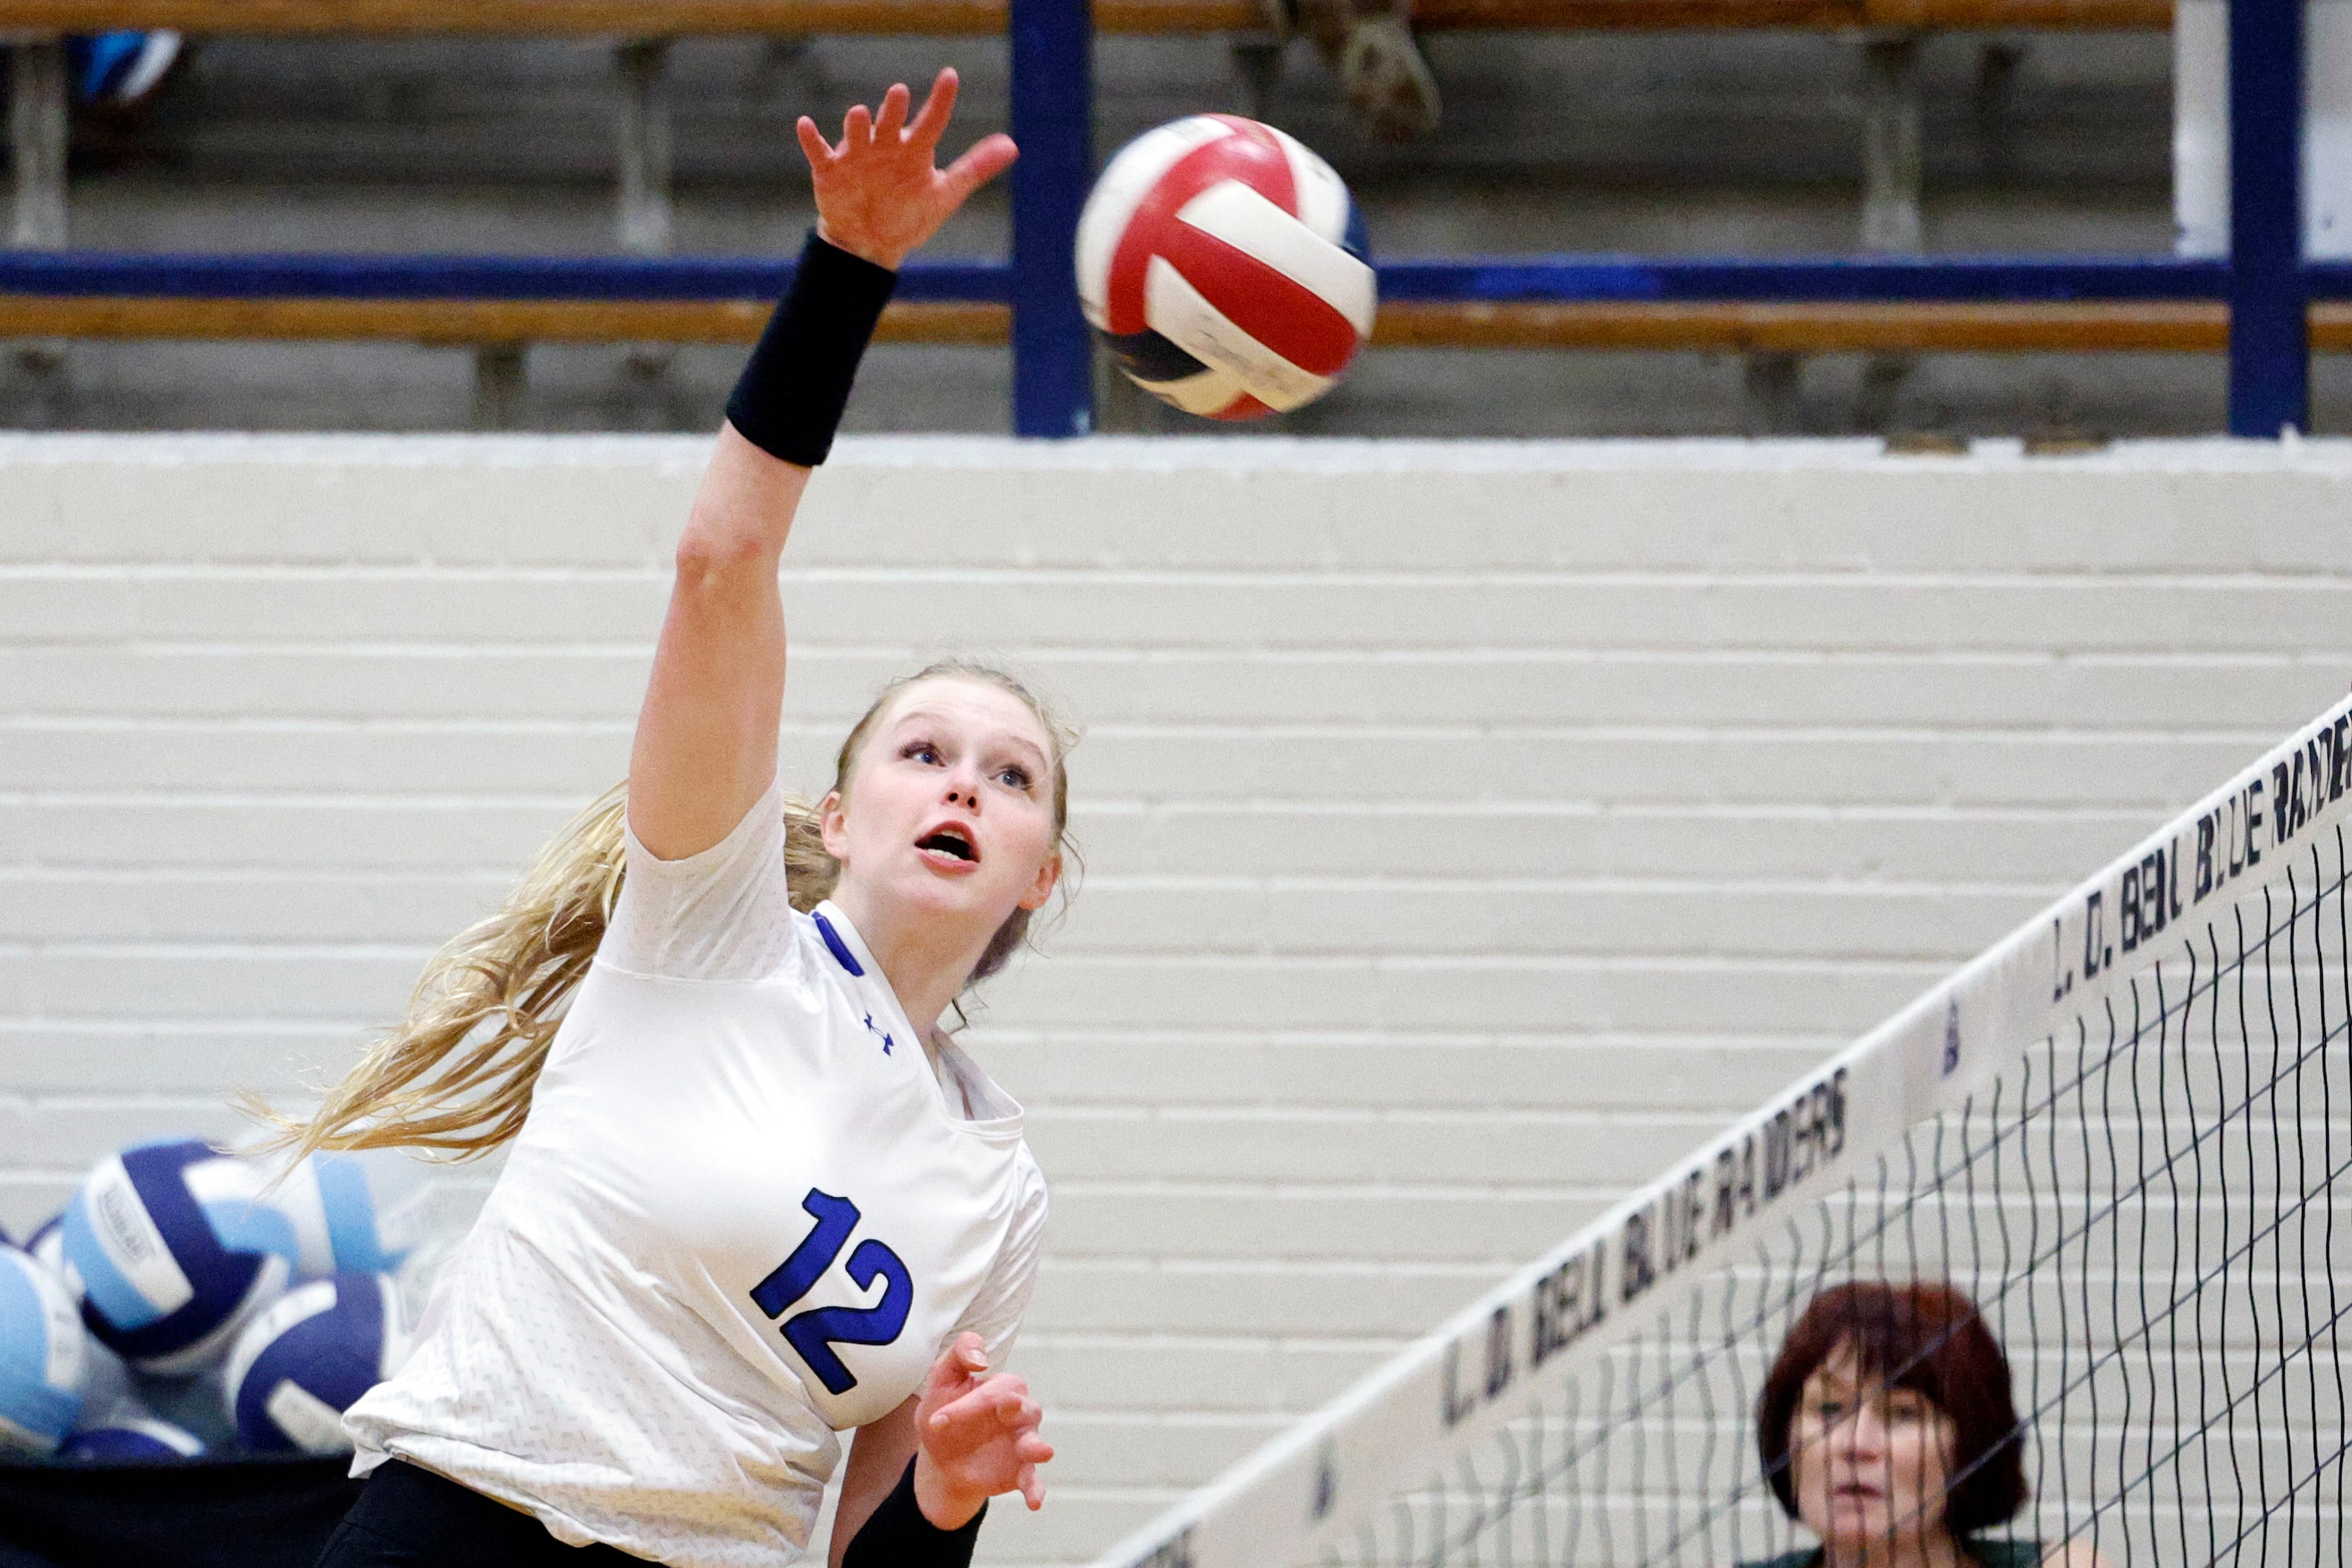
(645, 141)
(500, 379)
(1890, 182)
(1890, 145)
(37, 101)
(2270, 355)
(1053, 120)
(36, 143)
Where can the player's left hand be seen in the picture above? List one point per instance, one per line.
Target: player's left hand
(877, 194)
(976, 1436)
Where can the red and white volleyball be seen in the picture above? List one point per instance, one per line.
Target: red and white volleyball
(1224, 266)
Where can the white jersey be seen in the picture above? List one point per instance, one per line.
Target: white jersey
(745, 1213)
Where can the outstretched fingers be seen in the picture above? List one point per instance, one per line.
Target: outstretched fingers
(813, 142)
(893, 118)
(856, 128)
(986, 159)
(939, 107)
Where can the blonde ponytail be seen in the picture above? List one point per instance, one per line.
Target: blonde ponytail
(456, 1077)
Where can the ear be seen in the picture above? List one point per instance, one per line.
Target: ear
(1042, 888)
(833, 824)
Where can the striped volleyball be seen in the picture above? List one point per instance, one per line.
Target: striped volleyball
(300, 1365)
(41, 1357)
(1224, 266)
(171, 1250)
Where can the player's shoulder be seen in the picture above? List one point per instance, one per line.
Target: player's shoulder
(1032, 1176)
(1030, 1198)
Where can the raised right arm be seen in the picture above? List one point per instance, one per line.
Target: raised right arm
(706, 742)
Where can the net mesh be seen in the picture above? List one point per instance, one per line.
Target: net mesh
(2138, 1202)
(2140, 1210)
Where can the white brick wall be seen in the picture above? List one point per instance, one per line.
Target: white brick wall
(1469, 828)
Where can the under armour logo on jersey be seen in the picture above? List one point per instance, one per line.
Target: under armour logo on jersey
(871, 1028)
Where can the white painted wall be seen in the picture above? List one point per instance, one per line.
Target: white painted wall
(1470, 829)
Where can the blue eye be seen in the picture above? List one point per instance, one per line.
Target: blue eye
(1015, 778)
(921, 751)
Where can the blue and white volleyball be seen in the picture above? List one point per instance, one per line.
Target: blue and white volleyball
(300, 1365)
(173, 1251)
(130, 1438)
(349, 1213)
(41, 1357)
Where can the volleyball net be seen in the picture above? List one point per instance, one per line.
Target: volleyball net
(2118, 1131)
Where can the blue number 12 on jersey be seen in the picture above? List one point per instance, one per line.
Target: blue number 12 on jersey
(814, 1334)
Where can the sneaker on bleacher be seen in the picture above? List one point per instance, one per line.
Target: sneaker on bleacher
(121, 69)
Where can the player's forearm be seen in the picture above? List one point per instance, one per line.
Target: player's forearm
(944, 1504)
(743, 510)
(901, 1532)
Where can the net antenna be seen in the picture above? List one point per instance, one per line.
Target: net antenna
(2118, 1131)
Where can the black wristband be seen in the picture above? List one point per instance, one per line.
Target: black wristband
(788, 399)
(898, 1536)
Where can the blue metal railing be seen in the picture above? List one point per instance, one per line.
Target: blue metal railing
(2265, 280)
(2270, 357)
(1054, 121)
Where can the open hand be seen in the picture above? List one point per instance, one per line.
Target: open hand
(976, 1435)
(877, 194)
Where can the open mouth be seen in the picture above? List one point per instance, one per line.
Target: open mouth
(950, 841)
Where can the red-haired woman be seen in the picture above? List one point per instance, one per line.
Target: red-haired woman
(1886, 1427)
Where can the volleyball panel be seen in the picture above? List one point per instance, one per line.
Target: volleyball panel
(1187, 318)
(308, 1359)
(131, 1439)
(345, 1212)
(1125, 181)
(41, 1361)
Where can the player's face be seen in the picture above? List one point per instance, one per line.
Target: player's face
(1872, 1462)
(950, 808)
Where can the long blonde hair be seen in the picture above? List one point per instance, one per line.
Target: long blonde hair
(456, 1076)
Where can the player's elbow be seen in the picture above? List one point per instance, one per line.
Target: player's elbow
(714, 554)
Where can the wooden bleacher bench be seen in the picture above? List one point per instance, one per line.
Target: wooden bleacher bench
(2130, 327)
(2166, 326)
(460, 323)
(682, 19)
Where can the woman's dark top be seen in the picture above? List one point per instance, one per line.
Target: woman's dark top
(1984, 1554)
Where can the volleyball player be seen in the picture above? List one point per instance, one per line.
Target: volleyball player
(756, 1196)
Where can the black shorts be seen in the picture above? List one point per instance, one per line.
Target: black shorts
(410, 1518)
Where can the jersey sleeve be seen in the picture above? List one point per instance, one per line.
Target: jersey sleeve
(995, 1313)
(724, 914)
